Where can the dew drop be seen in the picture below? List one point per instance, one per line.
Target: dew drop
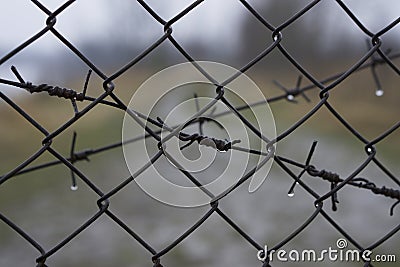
(290, 194)
(290, 97)
(379, 92)
(74, 187)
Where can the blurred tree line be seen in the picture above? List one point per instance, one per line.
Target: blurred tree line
(325, 33)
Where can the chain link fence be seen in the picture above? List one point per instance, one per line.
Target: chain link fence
(82, 103)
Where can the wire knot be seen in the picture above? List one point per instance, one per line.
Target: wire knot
(55, 91)
(220, 145)
(41, 262)
(157, 263)
(389, 192)
(83, 155)
(326, 175)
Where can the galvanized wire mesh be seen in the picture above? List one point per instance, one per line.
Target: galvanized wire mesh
(370, 60)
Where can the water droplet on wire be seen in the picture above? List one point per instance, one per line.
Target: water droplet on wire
(291, 190)
(290, 97)
(74, 187)
(379, 92)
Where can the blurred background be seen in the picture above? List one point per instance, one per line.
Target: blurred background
(111, 33)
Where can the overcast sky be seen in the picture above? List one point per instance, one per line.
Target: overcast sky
(88, 20)
(95, 19)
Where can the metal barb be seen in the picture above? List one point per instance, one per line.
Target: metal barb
(307, 163)
(393, 206)
(17, 74)
(73, 159)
